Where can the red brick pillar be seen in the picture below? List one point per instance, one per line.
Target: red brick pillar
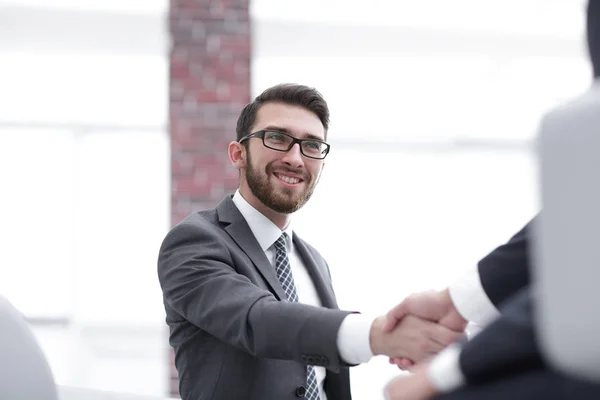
(209, 85)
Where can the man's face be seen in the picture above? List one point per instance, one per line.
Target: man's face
(283, 181)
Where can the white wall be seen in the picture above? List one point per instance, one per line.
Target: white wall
(84, 166)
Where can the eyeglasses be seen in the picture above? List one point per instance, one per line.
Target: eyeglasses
(280, 141)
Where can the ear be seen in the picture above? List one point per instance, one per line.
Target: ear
(237, 155)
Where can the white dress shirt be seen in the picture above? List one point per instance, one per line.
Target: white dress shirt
(353, 336)
(474, 305)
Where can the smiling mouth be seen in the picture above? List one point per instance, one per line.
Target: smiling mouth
(288, 179)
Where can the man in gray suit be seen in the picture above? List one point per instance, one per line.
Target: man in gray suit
(250, 306)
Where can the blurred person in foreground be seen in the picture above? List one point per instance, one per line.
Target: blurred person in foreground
(24, 370)
(505, 359)
(250, 305)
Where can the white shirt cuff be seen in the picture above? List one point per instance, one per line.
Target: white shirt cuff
(353, 339)
(470, 299)
(444, 371)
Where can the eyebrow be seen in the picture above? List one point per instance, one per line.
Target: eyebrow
(284, 130)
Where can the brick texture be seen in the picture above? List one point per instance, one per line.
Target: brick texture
(209, 85)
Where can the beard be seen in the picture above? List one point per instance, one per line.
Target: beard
(285, 200)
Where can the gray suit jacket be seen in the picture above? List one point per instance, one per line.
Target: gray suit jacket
(234, 336)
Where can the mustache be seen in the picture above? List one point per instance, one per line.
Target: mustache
(305, 175)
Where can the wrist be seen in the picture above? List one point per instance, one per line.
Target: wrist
(452, 319)
(376, 336)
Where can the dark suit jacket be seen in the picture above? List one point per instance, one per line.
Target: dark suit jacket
(234, 334)
(505, 276)
(505, 271)
(507, 346)
(505, 360)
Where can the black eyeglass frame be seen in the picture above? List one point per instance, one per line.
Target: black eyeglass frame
(261, 135)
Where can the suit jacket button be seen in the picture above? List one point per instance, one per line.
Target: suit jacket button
(300, 391)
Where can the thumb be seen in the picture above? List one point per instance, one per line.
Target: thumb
(394, 316)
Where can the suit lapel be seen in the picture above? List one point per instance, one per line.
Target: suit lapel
(239, 231)
(319, 276)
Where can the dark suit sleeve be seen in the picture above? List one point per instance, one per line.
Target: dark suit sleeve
(507, 346)
(199, 283)
(505, 270)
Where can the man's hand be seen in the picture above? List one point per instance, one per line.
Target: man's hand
(431, 305)
(412, 338)
(412, 387)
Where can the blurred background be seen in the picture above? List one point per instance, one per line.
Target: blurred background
(114, 121)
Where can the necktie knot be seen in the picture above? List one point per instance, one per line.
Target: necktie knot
(280, 243)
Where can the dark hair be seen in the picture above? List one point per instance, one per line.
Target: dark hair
(593, 35)
(286, 93)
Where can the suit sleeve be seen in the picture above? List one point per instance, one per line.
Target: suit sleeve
(507, 346)
(479, 292)
(505, 270)
(198, 281)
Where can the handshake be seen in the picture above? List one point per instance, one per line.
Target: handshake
(417, 329)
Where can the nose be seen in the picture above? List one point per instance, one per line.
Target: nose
(293, 157)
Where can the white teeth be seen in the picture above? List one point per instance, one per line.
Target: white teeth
(288, 179)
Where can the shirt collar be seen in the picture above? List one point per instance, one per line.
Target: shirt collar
(265, 231)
